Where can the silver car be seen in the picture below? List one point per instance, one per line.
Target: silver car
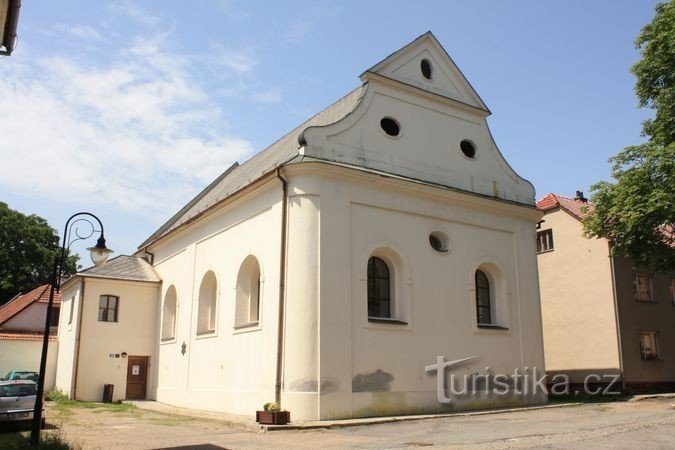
(17, 400)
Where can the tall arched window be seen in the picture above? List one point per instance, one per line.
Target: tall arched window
(206, 322)
(247, 307)
(483, 302)
(169, 314)
(379, 289)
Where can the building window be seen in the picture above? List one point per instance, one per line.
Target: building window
(468, 148)
(483, 300)
(247, 304)
(56, 312)
(426, 69)
(672, 290)
(390, 126)
(642, 287)
(169, 314)
(649, 345)
(108, 306)
(379, 289)
(72, 308)
(206, 311)
(544, 241)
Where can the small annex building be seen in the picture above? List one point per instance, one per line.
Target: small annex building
(331, 268)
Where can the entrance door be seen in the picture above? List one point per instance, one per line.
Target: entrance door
(137, 377)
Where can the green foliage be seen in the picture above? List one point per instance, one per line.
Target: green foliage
(271, 406)
(637, 212)
(56, 395)
(28, 248)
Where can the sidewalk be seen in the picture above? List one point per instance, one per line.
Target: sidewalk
(248, 422)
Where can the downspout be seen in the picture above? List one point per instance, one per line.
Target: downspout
(282, 288)
(73, 394)
(616, 316)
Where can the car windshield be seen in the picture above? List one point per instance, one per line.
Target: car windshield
(18, 390)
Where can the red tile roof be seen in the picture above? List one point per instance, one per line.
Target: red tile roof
(13, 335)
(576, 208)
(17, 304)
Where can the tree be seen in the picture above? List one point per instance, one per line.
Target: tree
(637, 212)
(28, 246)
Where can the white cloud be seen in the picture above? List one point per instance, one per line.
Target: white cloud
(139, 134)
(267, 96)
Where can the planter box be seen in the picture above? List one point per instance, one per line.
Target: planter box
(273, 417)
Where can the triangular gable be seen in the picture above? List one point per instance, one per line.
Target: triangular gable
(405, 65)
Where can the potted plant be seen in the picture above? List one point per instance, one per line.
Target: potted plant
(272, 415)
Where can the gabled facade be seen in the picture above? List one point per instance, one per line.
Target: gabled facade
(332, 268)
(22, 324)
(601, 314)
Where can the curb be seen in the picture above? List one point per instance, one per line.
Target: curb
(344, 423)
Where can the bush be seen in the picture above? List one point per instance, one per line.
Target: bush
(56, 395)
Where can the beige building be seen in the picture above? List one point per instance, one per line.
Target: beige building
(601, 315)
(332, 270)
(22, 324)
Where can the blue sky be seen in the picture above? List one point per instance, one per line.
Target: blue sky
(128, 109)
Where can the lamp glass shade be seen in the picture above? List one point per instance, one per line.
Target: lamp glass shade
(100, 253)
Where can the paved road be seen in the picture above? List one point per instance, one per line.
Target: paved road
(623, 425)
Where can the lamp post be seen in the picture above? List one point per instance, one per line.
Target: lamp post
(99, 254)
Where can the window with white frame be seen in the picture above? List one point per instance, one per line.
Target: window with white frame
(642, 287)
(484, 314)
(649, 345)
(206, 320)
(544, 241)
(247, 302)
(169, 314)
(72, 309)
(379, 289)
(108, 308)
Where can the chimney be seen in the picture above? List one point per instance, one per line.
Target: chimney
(580, 197)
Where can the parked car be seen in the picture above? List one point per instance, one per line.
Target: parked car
(21, 375)
(17, 400)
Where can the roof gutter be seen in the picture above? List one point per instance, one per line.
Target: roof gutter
(11, 23)
(282, 287)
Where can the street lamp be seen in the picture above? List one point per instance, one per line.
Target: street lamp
(99, 255)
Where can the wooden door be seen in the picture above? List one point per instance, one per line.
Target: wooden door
(137, 377)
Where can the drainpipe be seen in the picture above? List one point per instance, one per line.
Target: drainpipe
(282, 288)
(616, 316)
(78, 327)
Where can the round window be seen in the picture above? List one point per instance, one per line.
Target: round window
(468, 149)
(390, 126)
(425, 67)
(439, 241)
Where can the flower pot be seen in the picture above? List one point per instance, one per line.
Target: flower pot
(273, 417)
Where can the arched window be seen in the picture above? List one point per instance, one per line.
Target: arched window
(206, 322)
(247, 307)
(483, 302)
(169, 314)
(379, 289)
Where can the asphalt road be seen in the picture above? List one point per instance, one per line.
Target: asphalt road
(648, 424)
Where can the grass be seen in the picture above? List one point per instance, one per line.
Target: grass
(49, 441)
(64, 406)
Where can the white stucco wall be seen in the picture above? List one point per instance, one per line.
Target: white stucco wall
(25, 355)
(71, 299)
(30, 318)
(227, 370)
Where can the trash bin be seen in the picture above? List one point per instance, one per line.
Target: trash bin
(108, 393)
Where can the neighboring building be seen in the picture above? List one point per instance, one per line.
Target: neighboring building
(22, 324)
(383, 232)
(601, 315)
(108, 326)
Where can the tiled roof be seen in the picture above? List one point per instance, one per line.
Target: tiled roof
(12, 335)
(124, 267)
(238, 177)
(576, 208)
(17, 304)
